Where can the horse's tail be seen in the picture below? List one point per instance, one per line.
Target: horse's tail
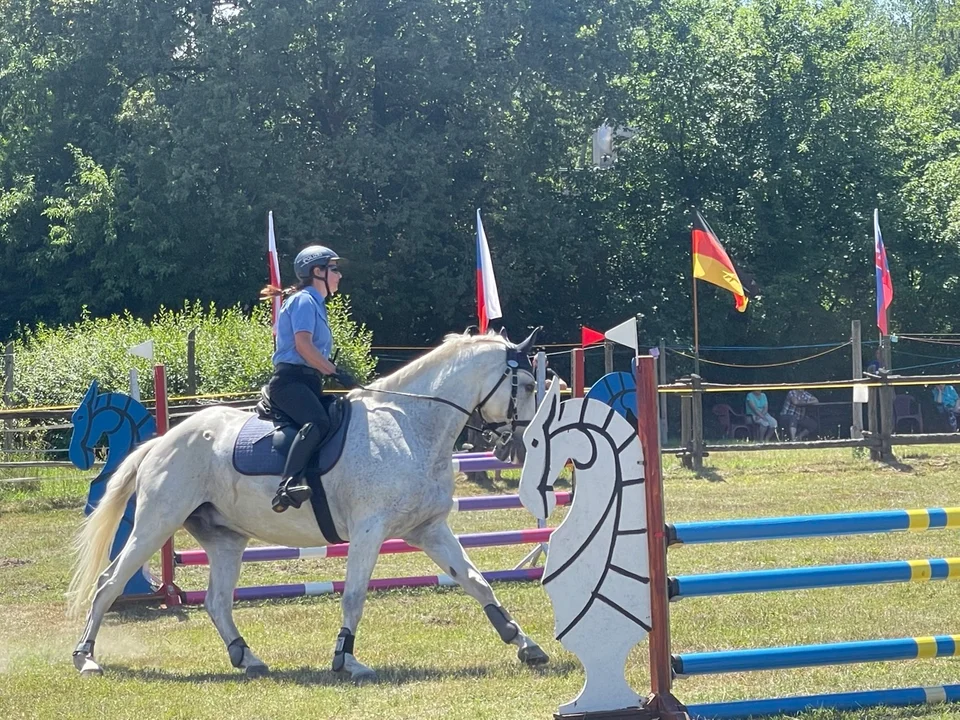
(93, 543)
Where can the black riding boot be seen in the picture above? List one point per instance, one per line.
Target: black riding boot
(293, 488)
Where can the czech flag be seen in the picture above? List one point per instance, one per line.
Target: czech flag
(711, 262)
(273, 263)
(488, 299)
(884, 281)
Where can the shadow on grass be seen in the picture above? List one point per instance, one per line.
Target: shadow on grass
(710, 474)
(307, 676)
(898, 465)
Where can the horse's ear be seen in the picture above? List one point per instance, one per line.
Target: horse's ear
(502, 332)
(91, 393)
(527, 345)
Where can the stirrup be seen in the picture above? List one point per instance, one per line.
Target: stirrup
(291, 495)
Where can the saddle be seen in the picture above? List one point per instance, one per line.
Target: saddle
(264, 440)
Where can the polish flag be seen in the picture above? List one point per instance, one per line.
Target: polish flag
(274, 265)
(488, 299)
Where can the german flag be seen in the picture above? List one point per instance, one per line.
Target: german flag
(711, 262)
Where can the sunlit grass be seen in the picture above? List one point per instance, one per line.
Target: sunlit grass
(437, 655)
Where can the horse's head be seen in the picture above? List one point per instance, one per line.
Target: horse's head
(541, 467)
(510, 405)
(81, 442)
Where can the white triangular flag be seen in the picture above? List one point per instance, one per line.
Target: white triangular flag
(625, 333)
(144, 350)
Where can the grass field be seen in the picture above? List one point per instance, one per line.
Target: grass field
(436, 654)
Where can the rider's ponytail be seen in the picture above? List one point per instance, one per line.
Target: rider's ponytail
(271, 291)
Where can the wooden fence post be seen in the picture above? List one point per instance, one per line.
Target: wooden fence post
(697, 417)
(886, 396)
(686, 427)
(856, 427)
(872, 424)
(662, 380)
(192, 362)
(577, 380)
(7, 392)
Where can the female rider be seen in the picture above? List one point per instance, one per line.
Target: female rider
(304, 344)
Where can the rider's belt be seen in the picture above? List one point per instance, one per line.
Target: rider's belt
(295, 369)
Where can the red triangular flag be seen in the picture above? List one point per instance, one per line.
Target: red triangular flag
(590, 337)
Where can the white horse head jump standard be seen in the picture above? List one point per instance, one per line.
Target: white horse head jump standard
(597, 572)
(394, 479)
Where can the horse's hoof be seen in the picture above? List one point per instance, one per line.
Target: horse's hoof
(532, 655)
(91, 669)
(252, 672)
(365, 675)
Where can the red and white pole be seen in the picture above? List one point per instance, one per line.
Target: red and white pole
(169, 590)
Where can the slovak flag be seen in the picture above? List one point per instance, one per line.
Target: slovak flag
(884, 282)
(273, 264)
(488, 299)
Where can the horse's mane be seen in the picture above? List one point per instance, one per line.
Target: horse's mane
(453, 348)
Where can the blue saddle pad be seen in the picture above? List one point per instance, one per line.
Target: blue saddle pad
(255, 450)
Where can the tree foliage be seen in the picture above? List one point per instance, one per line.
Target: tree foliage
(142, 144)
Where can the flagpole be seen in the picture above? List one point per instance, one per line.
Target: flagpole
(696, 332)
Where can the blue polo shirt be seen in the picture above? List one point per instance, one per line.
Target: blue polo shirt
(304, 311)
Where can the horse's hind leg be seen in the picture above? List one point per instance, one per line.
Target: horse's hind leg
(224, 549)
(438, 541)
(145, 539)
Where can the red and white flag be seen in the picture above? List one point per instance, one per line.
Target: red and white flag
(488, 299)
(273, 263)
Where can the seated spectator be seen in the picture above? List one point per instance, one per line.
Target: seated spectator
(947, 403)
(794, 414)
(759, 414)
(874, 365)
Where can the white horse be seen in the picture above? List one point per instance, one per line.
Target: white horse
(394, 479)
(596, 573)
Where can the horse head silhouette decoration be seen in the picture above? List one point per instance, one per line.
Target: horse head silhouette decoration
(125, 423)
(597, 566)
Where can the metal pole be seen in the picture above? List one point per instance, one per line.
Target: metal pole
(607, 357)
(856, 428)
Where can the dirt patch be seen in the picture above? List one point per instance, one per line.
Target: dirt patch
(13, 562)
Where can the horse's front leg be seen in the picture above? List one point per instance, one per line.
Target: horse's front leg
(438, 541)
(365, 542)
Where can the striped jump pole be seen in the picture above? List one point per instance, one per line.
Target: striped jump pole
(903, 697)
(797, 656)
(310, 589)
(807, 526)
(463, 504)
(806, 578)
(390, 547)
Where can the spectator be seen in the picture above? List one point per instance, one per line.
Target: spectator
(794, 414)
(759, 414)
(875, 365)
(947, 403)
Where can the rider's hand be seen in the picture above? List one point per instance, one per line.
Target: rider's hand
(345, 378)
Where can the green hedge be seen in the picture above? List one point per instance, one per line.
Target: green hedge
(55, 365)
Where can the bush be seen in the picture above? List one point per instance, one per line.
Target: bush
(55, 366)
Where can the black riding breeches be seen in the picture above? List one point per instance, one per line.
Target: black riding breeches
(297, 395)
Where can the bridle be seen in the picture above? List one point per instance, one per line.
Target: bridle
(517, 361)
